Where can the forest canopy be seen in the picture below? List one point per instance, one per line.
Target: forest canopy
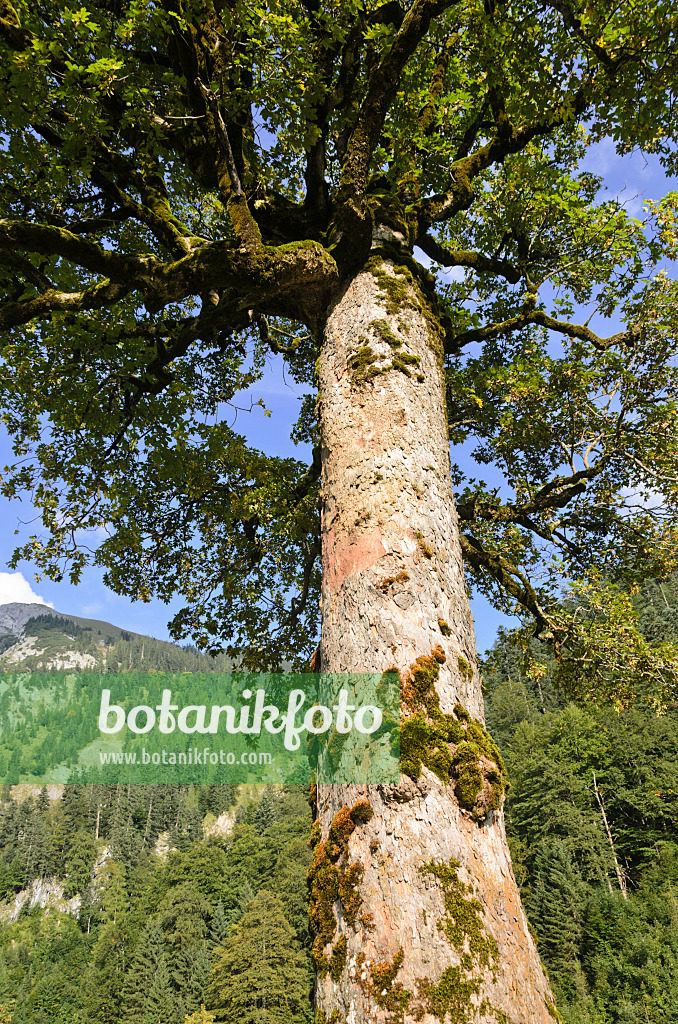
(186, 184)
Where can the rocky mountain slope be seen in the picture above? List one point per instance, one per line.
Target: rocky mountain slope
(34, 637)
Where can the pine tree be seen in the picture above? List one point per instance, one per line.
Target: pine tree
(245, 897)
(265, 814)
(76, 807)
(114, 898)
(218, 926)
(183, 915)
(148, 954)
(556, 910)
(261, 975)
(221, 798)
(79, 862)
(160, 1002)
(190, 977)
(60, 837)
(106, 973)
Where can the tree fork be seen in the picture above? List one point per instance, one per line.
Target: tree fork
(414, 906)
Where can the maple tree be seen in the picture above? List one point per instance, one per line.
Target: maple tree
(192, 187)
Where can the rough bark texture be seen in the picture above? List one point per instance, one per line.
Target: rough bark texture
(414, 906)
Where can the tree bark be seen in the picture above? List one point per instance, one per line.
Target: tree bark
(414, 906)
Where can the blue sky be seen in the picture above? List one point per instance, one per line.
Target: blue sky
(635, 177)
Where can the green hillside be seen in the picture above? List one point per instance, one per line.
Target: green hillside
(52, 640)
(160, 904)
(151, 901)
(592, 818)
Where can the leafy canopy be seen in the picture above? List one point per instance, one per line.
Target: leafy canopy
(186, 184)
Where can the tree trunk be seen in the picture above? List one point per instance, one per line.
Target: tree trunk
(618, 871)
(414, 907)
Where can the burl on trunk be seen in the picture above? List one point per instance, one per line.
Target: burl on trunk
(414, 908)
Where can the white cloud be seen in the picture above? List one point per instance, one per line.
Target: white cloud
(92, 609)
(15, 588)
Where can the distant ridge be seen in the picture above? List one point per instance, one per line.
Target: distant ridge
(34, 637)
(14, 616)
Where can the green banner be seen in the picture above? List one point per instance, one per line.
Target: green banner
(199, 727)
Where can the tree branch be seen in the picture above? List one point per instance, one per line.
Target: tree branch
(154, 211)
(293, 274)
(575, 25)
(25, 268)
(471, 133)
(55, 241)
(542, 319)
(507, 140)
(105, 293)
(381, 91)
(508, 577)
(462, 258)
(245, 227)
(553, 495)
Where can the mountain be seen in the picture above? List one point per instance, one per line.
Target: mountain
(34, 637)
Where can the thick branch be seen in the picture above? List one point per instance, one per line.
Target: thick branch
(506, 575)
(461, 258)
(20, 265)
(103, 294)
(54, 241)
(382, 88)
(539, 317)
(290, 274)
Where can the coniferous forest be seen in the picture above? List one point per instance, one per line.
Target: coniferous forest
(166, 904)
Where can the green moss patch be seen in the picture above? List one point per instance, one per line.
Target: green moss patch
(552, 1009)
(323, 890)
(383, 330)
(339, 834)
(386, 992)
(463, 926)
(362, 365)
(363, 362)
(404, 361)
(469, 776)
(394, 288)
(338, 958)
(362, 812)
(462, 923)
(349, 893)
(322, 1018)
(464, 668)
(450, 999)
(455, 747)
(314, 838)
(330, 882)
